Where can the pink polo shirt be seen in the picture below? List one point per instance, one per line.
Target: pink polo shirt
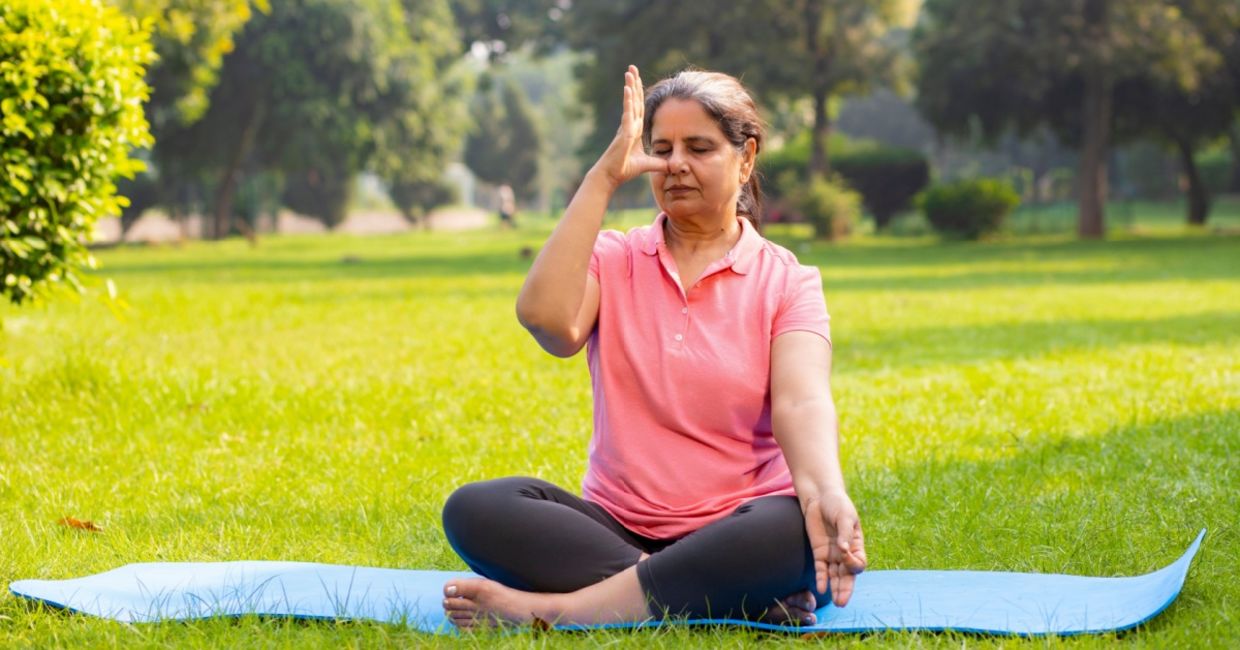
(681, 378)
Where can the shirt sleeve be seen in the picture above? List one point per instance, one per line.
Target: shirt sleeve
(610, 250)
(803, 307)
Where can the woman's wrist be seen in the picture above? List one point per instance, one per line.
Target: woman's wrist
(599, 180)
(820, 491)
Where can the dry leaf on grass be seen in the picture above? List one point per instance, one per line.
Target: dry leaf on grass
(71, 522)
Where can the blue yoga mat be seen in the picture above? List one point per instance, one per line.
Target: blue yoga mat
(968, 601)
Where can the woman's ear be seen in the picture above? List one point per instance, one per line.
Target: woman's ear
(748, 157)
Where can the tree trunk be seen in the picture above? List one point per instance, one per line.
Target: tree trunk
(1233, 138)
(226, 191)
(1198, 198)
(1096, 120)
(819, 162)
(1095, 142)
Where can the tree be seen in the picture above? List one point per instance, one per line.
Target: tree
(71, 92)
(658, 41)
(499, 27)
(319, 90)
(505, 144)
(831, 48)
(1019, 64)
(1188, 113)
(782, 49)
(190, 38)
(551, 85)
(435, 126)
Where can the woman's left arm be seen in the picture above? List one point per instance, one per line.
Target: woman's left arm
(806, 427)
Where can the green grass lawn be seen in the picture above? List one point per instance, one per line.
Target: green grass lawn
(1029, 404)
(1124, 217)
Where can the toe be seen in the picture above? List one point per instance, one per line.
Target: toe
(465, 588)
(784, 613)
(459, 605)
(808, 602)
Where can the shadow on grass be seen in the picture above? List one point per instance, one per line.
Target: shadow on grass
(1123, 502)
(898, 348)
(1164, 250)
(914, 267)
(967, 280)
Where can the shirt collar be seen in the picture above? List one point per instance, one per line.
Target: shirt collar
(741, 256)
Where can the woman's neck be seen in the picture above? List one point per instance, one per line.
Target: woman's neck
(695, 236)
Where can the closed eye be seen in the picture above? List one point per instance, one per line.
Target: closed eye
(665, 152)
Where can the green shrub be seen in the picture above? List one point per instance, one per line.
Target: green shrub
(416, 198)
(1215, 170)
(784, 170)
(830, 206)
(71, 93)
(887, 178)
(969, 208)
(323, 196)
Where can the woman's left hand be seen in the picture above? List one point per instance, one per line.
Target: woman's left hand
(834, 532)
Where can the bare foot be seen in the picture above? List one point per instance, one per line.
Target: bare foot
(476, 603)
(796, 609)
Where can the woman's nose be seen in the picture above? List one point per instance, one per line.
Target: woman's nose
(676, 163)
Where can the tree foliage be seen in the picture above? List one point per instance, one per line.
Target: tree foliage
(825, 49)
(319, 90)
(71, 92)
(505, 144)
(190, 39)
(415, 145)
(1188, 113)
(829, 48)
(1019, 64)
(502, 26)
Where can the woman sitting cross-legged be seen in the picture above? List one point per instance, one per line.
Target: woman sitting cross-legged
(714, 486)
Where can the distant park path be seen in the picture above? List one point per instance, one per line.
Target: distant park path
(156, 228)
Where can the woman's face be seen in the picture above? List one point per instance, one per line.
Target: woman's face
(705, 171)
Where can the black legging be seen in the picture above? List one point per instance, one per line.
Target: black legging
(531, 535)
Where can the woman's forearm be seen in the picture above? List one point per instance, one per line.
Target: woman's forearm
(556, 283)
(807, 433)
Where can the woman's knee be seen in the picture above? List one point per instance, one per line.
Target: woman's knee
(774, 519)
(773, 533)
(474, 509)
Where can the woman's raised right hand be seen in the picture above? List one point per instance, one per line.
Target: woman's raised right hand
(625, 157)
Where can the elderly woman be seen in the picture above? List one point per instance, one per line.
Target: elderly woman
(714, 486)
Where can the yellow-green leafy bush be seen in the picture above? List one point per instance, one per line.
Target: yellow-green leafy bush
(830, 206)
(71, 94)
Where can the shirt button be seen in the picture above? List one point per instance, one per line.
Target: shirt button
(684, 310)
(679, 337)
